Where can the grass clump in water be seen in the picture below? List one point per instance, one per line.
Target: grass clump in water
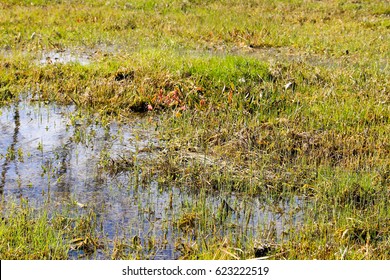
(26, 235)
(29, 233)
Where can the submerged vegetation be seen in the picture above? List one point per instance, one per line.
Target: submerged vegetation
(279, 107)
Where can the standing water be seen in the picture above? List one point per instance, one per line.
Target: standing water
(51, 156)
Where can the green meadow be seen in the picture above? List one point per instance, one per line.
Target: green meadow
(278, 100)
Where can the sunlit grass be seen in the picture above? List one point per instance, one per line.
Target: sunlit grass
(28, 235)
(213, 76)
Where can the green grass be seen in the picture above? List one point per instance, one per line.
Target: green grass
(43, 233)
(25, 235)
(214, 73)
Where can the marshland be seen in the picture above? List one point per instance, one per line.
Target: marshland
(193, 129)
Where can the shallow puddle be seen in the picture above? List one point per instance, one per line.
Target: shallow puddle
(52, 157)
(64, 57)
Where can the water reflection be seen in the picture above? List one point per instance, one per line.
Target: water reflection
(10, 155)
(52, 156)
(65, 56)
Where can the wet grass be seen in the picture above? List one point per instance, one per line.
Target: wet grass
(272, 99)
(33, 233)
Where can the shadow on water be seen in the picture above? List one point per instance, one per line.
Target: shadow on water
(53, 156)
